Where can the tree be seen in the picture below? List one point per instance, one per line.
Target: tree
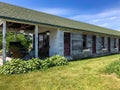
(20, 37)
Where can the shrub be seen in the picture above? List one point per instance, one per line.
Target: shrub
(59, 60)
(56, 60)
(47, 63)
(15, 66)
(34, 64)
(113, 68)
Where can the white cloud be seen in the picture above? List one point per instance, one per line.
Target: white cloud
(108, 18)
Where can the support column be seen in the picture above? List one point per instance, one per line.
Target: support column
(4, 42)
(36, 41)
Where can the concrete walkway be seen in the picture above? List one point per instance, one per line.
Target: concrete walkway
(7, 58)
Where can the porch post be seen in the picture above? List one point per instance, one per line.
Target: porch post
(4, 42)
(36, 41)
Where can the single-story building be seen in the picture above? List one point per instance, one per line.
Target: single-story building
(57, 35)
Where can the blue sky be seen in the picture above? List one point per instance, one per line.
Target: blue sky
(104, 13)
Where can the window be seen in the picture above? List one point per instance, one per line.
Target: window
(84, 41)
(41, 40)
(103, 46)
(114, 42)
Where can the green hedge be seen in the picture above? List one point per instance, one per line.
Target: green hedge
(113, 67)
(17, 66)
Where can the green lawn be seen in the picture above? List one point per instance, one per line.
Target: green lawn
(78, 75)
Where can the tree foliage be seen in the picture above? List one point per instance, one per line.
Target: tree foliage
(20, 37)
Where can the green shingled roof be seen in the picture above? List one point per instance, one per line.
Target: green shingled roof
(13, 12)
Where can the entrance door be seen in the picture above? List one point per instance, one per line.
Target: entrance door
(119, 45)
(43, 44)
(66, 44)
(109, 44)
(93, 44)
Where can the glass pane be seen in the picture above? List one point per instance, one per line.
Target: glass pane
(40, 41)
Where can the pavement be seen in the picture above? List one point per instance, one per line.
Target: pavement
(7, 58)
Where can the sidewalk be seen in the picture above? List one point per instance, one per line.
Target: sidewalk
(7, 58)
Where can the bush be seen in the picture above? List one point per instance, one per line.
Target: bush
(47, 63)
(59, 60)
(56, 60)
(34, 64)
(113, 68)
(17, 66)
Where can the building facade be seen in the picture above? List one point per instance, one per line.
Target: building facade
(75, 44)
(53, 35)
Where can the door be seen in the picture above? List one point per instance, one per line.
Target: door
(119, 44)
(93, 44)
(67, 44)
(109, 43)
(43, 43)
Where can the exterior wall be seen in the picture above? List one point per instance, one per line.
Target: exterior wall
(113, 49)
(60, 42)
(98, 44)
(76, 44)
(56, 42)
(77, 51)
(53, 43)
(106, 43)
(100, 49)
(112, 45)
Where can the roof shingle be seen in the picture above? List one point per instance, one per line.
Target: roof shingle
(36, 17)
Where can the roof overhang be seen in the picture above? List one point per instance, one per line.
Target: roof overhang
(1, 22)
(46, 24)
(29, 22)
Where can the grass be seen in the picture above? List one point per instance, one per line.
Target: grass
(113, 68)
(78, 75)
